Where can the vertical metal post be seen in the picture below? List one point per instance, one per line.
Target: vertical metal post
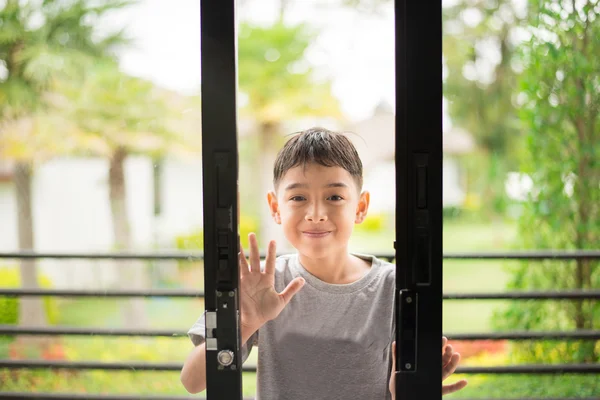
(419, 199)
(220, 191)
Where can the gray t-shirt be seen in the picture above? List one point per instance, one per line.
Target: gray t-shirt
(330, 342)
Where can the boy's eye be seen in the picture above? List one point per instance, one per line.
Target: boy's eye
(297, 198)
(336, 198)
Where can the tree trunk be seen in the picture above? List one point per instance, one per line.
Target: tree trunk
(131, 273)
(283, 6)
(269, 230)
(31, 309)
(584, 309)
(584, 238)
(118, 203)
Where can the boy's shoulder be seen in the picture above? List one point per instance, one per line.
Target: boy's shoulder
(385, 269)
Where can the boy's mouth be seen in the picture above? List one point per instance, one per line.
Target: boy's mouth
(316, 234)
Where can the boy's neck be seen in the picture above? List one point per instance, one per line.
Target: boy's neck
(337, 268)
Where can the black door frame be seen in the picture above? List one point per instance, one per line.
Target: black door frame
(418, 328)
(220, 195)
(418, 29)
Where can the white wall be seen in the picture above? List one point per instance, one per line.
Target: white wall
(72, 213)
(380, 181)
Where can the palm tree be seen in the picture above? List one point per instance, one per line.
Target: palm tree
(40, 43)
(118, 115)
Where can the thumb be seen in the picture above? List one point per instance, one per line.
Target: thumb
(393, 356)
(292, 288)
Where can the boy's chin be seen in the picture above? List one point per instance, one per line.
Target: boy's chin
(315, 252)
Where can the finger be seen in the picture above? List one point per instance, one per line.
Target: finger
(393, 356)
(451, 367)
(290, 291)
(455, 387)
(254, 253)
(271, 255)
(444, 342)
(447, 355)
(243, 262)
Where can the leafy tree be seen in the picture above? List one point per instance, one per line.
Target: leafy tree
(279, 86)
(482, 72)
(118, 115)
(40, 42)
(561, 89)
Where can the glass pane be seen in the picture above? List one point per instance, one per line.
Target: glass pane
(99, 152)
(522, 140)
(102, 154)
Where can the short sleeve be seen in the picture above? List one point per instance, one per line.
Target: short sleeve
(198, 331)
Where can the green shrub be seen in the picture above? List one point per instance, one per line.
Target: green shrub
(190, 241)
(451, 212)
(195, 240)
(9, 306)
(373, 223)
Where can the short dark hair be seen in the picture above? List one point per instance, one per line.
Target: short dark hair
(320, 146)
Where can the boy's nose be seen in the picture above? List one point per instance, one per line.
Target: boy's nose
(316, 214)
(311, 218)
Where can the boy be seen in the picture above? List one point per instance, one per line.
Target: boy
(322, 318)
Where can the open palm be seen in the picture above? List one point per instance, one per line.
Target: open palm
(260, 302)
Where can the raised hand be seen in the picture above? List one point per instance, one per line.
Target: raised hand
(450, 361)
(259, 300)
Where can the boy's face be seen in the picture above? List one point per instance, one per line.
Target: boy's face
(317, 207)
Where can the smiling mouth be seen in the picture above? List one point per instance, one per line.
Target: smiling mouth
(316, 234)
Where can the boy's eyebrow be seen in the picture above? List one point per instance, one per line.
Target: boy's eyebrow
(305, 186)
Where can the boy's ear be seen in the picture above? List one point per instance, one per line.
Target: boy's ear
(363, 207)
(274, 207)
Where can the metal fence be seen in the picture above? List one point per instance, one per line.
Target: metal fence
(578, 295)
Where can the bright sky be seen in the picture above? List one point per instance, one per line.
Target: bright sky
(356, 50)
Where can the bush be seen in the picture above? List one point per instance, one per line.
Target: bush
(195, 240)
(452, 212)
(373, 223)
(473, 348)
(9, 306)
(191, 241)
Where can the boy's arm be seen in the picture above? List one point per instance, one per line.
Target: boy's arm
(258, 288)
(193, 374)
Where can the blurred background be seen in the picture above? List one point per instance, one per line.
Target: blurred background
(100, 146)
